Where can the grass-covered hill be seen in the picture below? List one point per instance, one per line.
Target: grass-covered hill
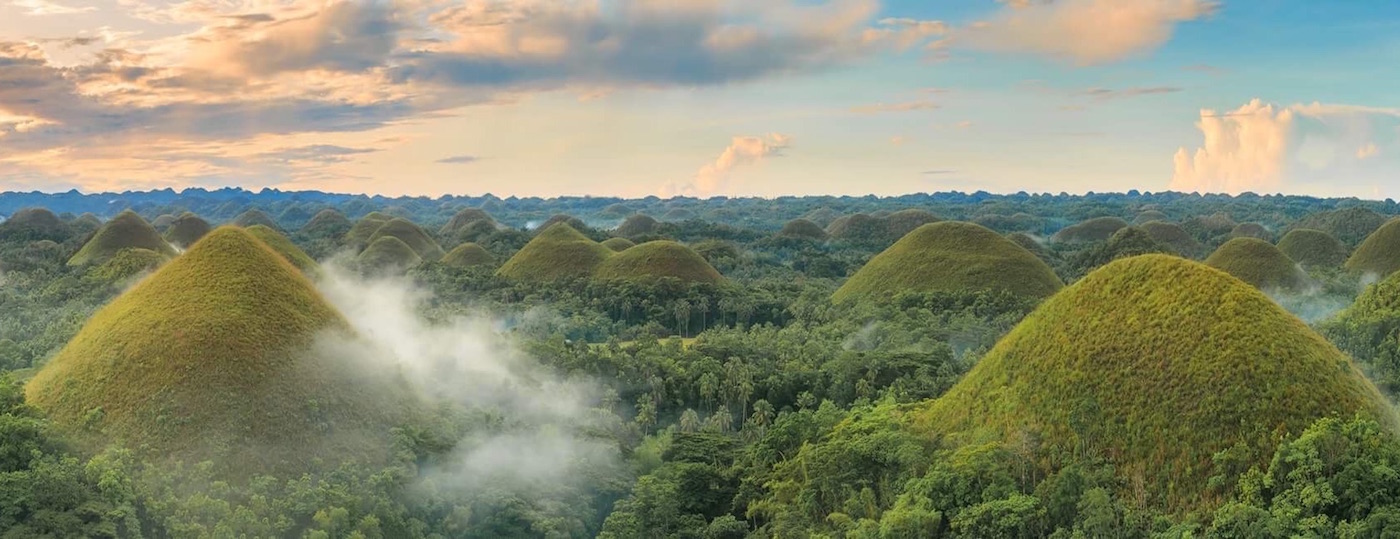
(953, 257)
(34, 224)
(858, 228)
(637, 225)
(675, 215)
(283, 246)
(1313, 249)
(1029, 243)
(1127, 242)
(802, 228)
(1172, 236)
(1154, 363)
(1351, 225)
(575, 223)
(186, 229)
(125, 231)
(1258, 263)
(162, 221)
(462, 219)
(1148, 216)
(411, 234)
(255, 217)
(1379, 255)
(85, 224)
(1369, 330)
(654, 260)
(209, 358)
(557, 252)
(127, 263)
(1251, 230)
(387, 254)
(327, 223)
(468, 255)
(1096, 229)
(618, 245)
(905, 221)
(359, 234)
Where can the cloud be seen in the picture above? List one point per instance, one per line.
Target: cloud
(1106, 94)
(1084, 32)
(1262, 147)
(908, 106)
(45, 7)
(458, 160)
(321, 153)
(713, 178)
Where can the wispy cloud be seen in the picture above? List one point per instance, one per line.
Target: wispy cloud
(45, 7)
(1084, 32)
(458, 160)
(1106, 94)
(907, 106)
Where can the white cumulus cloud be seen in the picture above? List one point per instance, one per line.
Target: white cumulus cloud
(714, 178)
(1083, 31)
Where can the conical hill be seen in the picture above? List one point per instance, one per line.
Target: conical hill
(468, 255)
(255, 217)
(359, 234)
(802, 228)
(387, 254)
(637, 225)
(618, 245)
(1313, 248)
(283, 246)
(1379, 255)
(186, 229)
(1097, 229)
(411, 234)
(1258, 263)
(1154, 364)
(327, 223)
(125, 231)
(211, 358)
(465, 217)
(951, 256)
(558, 252)
(34, 224)
(653, 260)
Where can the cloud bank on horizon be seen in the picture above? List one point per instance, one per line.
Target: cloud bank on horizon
(635, 97)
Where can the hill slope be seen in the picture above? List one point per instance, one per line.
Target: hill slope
(1155, 379)
(1258, 263)
(557, 252)
(209, 359)
(34, 224)
(951, 256)
(387, 254)
(327, 223)
(411, 234)
(467, 255)
(618, 245)
(283, 246)
(1379, 255)
(658, 259)
(1313, 248)
(1097, 229)
(802, 228)
(125, 231)
(255, 217)
(186, 229)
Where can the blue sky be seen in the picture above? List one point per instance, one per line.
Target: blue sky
(702, 97)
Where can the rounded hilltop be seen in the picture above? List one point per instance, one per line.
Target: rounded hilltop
(359, 234)
(1350, 225)
(1379, 255)
(1155, 379)
(222, 339)
(1096, 229)
(1258, 263)
(327, 223)
(186, 229)
(254, 217)
(558, 252)
(802, 228)
(412, 235)
(468, 255)
(1174, 237)
(951, 256)
(125, 231)
(387, 254)
(618, 245)
(637, 225)
(653, 260)
(34, 224)
(461, 220)
(1313, 249)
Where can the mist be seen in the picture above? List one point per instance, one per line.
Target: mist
(529, 427)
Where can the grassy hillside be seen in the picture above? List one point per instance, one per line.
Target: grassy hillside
(208, 359)
(125, 231)
(618, 245)
(359, 235)
(1097, 229)
(573, 222)
(657, 259)
(255, 217)
(127, 263)
(802, 228)
(411, 234)
(1313, 248)
(186, 229)
(1149, 216)
(1258, 263)
(1379, 255)
(858, 228)
(34, 224)
(162, 221)
(1351, 225)
(468, 255)
(951, 256)
(387, 254)
(327, 223)
(905, 221)
(1155, 379)
(1251, 230)
(556, 253)
(1369, 330)
(1172, 236)
(637, 225)
(283, 246)
(462, 219)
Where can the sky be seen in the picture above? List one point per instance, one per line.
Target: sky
(702, 97)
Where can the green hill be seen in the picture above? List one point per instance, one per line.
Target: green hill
(802, 228)
(125, 231)
(1155, 379)
(34, 224)
(359, 235)
(186, 229)
(573, 222)
(1313, 248)
(127, 263)
(1205, 227)
(617, 210)
(859, 228)
(255, 217)
(283, 246)
(1379, 255)
(411, 234)
(637, 225)
(1251, 230)
(209, 359)
(162, 222)
(1149, 216)
(618, 245)
(905, 221)
(85, 224)
(1258, 263)
(468, 255)
(462, 219)
(327, 223)
(655, 260)
(1028, 243)
(951, 256)
(1127, 242)
(1369, 330)
(387, 254)
(1097, 229)
(677, 214)
(557, 252)
(1172, 236)
(1351, 225)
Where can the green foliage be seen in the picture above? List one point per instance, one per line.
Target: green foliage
(1369, 330)
(1313, 249)
(125, 231)
(1251, 230)
(1379, 255)
(1154, 379)
(186, 229)
(618, 245)
(1172, 236)
(1350, 225)
(1097, 229)
(1258, 263)
(637, 225)
(559, 252)
(951, 257)
(1149, 216)
(283, 246)
(34, 224)
(327, 223)
(126, 264)
(903, 222)
(658, 260)
(468, 255)
(1127, 242)
(802, 228)
(210, 358)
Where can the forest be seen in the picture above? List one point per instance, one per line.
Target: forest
(231, 364)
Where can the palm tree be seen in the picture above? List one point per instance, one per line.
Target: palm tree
(690, 421)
